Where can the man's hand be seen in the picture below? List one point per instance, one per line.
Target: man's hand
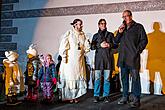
(105, 44)
(121, 28)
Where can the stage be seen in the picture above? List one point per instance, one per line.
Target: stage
(148, 102)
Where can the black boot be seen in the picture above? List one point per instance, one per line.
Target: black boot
(9, 100)
(106, 99)
(96, 99)
(135, 103)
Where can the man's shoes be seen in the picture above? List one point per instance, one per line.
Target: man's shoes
(106, 99)
(123, 100)
(101, 98)
(96, 99)
(135, 104)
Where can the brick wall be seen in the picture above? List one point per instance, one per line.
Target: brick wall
(7, 30)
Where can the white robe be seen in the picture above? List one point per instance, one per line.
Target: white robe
(72, 68)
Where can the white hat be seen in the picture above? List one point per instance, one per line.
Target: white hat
(32, 50)
(11, 55)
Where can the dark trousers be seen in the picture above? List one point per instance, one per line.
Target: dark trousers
(136, 86)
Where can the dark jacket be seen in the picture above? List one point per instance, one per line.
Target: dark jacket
(132, 42)
(103, 56)
(47, 73)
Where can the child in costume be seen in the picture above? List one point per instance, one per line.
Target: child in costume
(31, 73)
(13, 78)
(48, 78)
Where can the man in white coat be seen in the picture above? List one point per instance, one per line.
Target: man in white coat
(73, 47)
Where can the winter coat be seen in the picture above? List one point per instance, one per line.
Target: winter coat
(132, 42)
(46, 74)
(104, 59)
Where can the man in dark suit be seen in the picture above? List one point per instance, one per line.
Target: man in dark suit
(133, 40)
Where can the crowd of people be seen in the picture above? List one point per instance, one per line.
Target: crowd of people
(41, 72)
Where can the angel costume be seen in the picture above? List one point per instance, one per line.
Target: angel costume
(73, 47)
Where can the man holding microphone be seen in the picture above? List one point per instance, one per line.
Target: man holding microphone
(133, 40)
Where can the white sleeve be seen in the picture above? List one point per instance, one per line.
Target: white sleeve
(64, 45)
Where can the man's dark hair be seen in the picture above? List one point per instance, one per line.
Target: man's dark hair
(75, 21)
(128, 11)
(101, 21)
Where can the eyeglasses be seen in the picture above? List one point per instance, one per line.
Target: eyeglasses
(102, 23)
(125, 16)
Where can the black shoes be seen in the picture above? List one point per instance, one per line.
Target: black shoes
(12, 100)
(106, 99)
(96, 99)
(123, 100)
(134, 102)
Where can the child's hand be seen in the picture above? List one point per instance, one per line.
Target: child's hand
(54, 81)
(38, 83)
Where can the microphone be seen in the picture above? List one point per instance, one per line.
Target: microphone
(123, 25)
(124, 22)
